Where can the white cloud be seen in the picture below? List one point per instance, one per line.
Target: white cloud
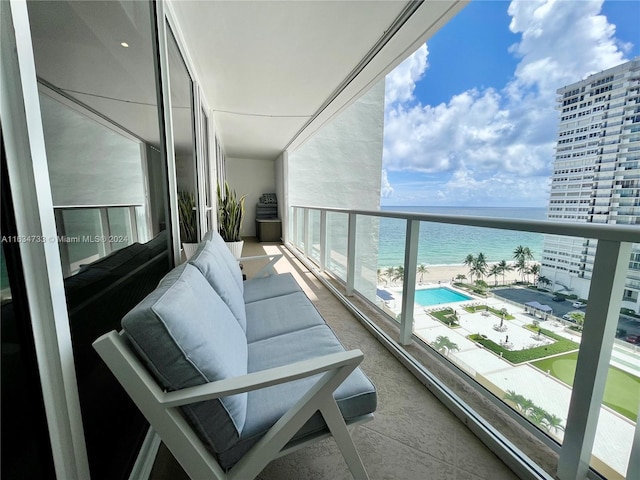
(401, 82)
(500, 140)
(386, 190)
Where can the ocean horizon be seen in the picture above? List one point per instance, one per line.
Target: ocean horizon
(443, 244)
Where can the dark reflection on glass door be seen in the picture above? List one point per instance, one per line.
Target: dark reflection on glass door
(25, 448)
(107, 171)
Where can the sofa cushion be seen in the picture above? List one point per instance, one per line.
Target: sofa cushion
(256, 289)
(279, 315)
(187, 336)
(217, 273)
(356, 396)
(225, 255)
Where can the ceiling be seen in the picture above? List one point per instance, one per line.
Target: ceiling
(272, 72)
(268, 67)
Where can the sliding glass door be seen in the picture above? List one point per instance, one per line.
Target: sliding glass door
(107, 174)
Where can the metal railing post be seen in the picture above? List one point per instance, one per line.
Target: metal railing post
(601, 319)
(351, 255)
(306, 234)
(409, 281)
(323, 240)
(294, 233)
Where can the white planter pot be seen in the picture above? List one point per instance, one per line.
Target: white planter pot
(236, 248)
(189, 249)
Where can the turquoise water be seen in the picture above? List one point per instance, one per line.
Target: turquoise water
(442, 244)
(434, 296)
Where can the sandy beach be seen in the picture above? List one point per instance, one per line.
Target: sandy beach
(447, 273)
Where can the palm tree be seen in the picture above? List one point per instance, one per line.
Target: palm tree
(494, 271)
(514, 398)
(422, 269)
(522, 252)
(398, 273)
(481, 265)
(522, 404)
(504, 268)
(460, 277)
(535, 271)
(381, 277)
(544, 280)
(470, 262)
(522, 255)
(550, 421)
(537, 415)
(444, 345)
(390, 272)
(521, 266)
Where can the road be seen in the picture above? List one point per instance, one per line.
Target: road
(524, 295)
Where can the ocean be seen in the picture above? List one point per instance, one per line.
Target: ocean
(442, 244)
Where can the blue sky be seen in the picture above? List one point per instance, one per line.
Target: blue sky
(470, 117)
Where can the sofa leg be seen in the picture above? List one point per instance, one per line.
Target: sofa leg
(338, 428)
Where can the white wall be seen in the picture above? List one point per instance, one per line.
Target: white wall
(252, 178)
(341, 166)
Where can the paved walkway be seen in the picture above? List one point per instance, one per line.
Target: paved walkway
(615, 433)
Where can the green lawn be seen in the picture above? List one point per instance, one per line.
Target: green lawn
(621, 393)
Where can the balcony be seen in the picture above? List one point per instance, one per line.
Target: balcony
(413, 435)
(333, 244)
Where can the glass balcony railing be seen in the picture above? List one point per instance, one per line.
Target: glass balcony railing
(566, 367)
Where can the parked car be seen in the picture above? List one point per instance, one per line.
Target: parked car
(635, 339)
(558, 298)
(568, 318)
(578, 305)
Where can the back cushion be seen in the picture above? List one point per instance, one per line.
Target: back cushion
(220, 277)
(226, 256)
(187, 336)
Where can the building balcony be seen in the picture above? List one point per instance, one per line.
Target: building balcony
(333, 244)
(413, 434)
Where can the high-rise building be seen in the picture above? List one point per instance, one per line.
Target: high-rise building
(596, 175)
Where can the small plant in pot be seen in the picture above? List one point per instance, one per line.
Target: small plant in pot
(188, 222)
(230, 216)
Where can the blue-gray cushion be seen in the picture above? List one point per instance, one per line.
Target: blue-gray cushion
(225, 255)
(187, 336)
(279, 315)
(256, 289)
(355, 397)
(217, 273)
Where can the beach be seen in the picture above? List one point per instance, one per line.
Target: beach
(448, 273)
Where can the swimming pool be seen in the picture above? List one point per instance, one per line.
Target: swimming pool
(434, 296)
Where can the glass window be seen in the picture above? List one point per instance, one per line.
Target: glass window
(107, 171)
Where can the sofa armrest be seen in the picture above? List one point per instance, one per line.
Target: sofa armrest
(268, 269)
(263, 378)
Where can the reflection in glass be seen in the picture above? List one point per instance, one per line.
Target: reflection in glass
(183, 119)
(108, 181)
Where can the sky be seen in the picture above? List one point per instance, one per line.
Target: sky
(470, 117)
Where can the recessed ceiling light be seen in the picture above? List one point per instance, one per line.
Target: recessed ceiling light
(125, 44)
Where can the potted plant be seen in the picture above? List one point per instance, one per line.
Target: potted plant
(188, 222)
(230, 216)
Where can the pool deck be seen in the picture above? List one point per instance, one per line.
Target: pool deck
(614, 432)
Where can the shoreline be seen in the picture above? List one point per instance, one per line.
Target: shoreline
(447, 273)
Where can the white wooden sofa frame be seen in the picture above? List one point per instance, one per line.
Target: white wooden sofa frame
(161, 409)
(267, 269)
